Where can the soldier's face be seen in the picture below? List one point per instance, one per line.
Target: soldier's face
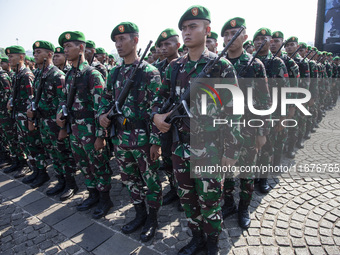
(168, 47)
(291, 47)
(100, 57)
(71, 51)
(302, 52)
(238, 43)
(275, 44)
(211, 44)
(194, 33)
(125, 45)
(4, 66)
(250, 49)
(39, 55)
(88, 54)
(259, 40)
(14, 59)
(58, 59)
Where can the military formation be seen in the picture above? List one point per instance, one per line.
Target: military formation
(73, 105)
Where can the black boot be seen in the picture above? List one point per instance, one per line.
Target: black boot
(229, 206)
(243, 214)
(22, 170)
(291, 146)
(308, 130)
(150, 226)
(299, 143)
(90, 201)
(196, 244)
(138, 221)
(264, 186)
(104, 205)
(15, 165)
(212, 245)
(5, 160)
(59, 187)
(170, 196)
(71, 187)
(277, 160)
(30, 178)
(41, 179)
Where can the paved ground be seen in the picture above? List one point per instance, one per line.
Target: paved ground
(300, 215)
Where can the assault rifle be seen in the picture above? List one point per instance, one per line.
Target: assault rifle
(253, 59)
(295, 52)
(313, 56)
(306, 56)
(180, 109)
(66, 109)
(16, 90)
(35, 103)
(115, 112)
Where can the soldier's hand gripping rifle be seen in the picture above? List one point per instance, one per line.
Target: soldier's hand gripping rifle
(35, 102)
(180, 109)
(253, 59)
(66, 109)
(16, 90)
(115, 112)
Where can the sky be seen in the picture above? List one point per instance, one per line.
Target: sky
(31, 20)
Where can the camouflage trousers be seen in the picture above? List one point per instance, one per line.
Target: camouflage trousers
(59, 151)
(311, 120)
(93, 164)
(137, 171)
(247, 158)
(9, 136)
(273, 147)
(30, 142)
(302, 121)
(335, 93)
(200, 198)
(169, 171)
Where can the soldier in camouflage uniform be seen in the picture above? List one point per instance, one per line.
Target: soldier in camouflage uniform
(87, 138)
(336, 76)
(7, 123)
(200, 197)
(60, 61)
(304, 82)
(136, 145)
(7, 68)
(254, 138)
(30, 142)
(249, 46)
(313, 88)
(90, 53)
(59, 151)
(294, 76)
(168, 42)
(278, 74)
(329, 70)
(212, 42)
(101, 56)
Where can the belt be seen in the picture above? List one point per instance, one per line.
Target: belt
(132, 125)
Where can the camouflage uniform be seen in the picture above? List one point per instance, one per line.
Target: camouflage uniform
(314, 90)
(7, 132)
(278, 74)
(262, 101)
(329, 78)
(101, 68)
(29, 141)
(133, 140)
(58, 151)
(303, 83)
(200, 197)
(85, 129)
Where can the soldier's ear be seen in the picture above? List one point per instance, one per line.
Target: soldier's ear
(178, 45)
(136, 39)
(208, 30)
(245, 37)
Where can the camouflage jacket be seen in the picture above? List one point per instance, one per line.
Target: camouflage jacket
(304, 71)
(161, 66)
(51, 91)
(136, 108)
(11, 74)
(101, 68)
(22, 83)
(322, 77)
(292, 68)
(278, 76)
(5, 91)
(86, 102)
(255, 77)
(314, 79)
(190, 69)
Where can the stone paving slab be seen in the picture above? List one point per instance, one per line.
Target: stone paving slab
(93, 236)
(73, 225)
(55, 214)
